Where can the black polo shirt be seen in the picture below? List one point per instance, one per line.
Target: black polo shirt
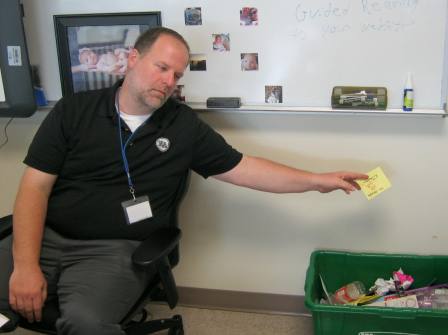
(79, 142)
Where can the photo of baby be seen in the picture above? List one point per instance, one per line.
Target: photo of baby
(273, 94)
(99, 54)
(221, 42)
(115, 61)
(249, 16)
(249, 61)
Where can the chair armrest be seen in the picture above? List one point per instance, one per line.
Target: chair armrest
(154, 252)
(5, 226)
(155, 248)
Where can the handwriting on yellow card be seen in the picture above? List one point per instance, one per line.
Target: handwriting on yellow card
(376, 184)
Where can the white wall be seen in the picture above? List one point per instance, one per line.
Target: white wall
(238, 239)
(243, 240)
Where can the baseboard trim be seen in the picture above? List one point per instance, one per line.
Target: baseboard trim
(243, 301)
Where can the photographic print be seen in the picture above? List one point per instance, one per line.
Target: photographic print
(198, 62)
(221, 42)
(93, 49)
(249, 16)
(193, 16)
(249, 61)
(273, 94)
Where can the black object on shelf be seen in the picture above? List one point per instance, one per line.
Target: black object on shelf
(223, 102)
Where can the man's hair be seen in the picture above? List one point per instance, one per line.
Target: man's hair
(148, 38)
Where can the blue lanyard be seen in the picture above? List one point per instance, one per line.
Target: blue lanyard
(125, 160)
(123, 148)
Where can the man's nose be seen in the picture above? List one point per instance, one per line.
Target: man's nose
(170, 79)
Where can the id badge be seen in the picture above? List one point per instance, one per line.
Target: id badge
(136, 210)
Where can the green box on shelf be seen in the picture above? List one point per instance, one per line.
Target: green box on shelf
(359, 97)
(339, 268)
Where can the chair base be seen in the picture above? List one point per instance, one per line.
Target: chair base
(38, 327)
(174, 325)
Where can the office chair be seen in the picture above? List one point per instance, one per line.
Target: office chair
(160, 250)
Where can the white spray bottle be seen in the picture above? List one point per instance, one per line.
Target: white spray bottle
(408, 95)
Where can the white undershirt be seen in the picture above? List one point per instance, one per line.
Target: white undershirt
(134, 121)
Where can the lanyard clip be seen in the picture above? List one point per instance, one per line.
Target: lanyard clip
(131, 189)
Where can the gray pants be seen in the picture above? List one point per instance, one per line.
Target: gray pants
(94, 280)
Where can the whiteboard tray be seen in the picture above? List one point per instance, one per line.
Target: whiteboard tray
(277, 109)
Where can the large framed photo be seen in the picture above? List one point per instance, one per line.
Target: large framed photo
(93, 48)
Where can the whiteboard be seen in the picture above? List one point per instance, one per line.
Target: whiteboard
(309, 46)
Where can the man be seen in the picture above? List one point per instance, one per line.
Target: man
(95, 156)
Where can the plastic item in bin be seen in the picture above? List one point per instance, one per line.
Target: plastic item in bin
(365, 299)
(432, 296)
(409, 301)
(398, 283)
(348, 293)
(428, 297)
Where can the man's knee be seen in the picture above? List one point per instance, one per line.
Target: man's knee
(83, 321)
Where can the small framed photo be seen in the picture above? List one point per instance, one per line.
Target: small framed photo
(198, 62)
(193, 16)
(273, 94)
(93, 48)
(248, 16)
(221, 42)
(249, 61)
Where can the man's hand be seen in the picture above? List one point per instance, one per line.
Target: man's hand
(346, 181)
(28, 292)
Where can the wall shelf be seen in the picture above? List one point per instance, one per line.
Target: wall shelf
(276, 109)
(47, 107)
(283, 110)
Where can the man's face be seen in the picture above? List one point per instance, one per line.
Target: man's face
(152, 76)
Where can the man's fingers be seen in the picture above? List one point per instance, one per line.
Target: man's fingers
(20, 307)
(44, 293)
(13, 302)
(29, 314)
(354, 184)
(351, 180)
(31, 309)
(347, 186)
(37, 309)
(38, 303)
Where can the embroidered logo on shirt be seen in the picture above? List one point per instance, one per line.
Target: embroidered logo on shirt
(163, 144)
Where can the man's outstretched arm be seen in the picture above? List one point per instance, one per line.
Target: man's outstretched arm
(265, 175)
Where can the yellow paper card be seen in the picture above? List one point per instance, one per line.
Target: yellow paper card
(376, 184)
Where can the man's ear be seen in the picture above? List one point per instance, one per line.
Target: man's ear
(133, 57)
